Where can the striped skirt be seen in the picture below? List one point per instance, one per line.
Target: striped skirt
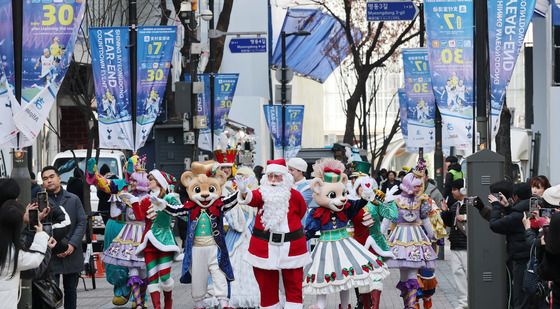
(411, 247)
(122, 251)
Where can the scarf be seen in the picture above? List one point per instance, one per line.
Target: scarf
(195, 209)
(325, 214)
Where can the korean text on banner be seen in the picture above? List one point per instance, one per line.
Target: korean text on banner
(449, 28)
(507, 25)
(403, 111)
(7, 73)
(111, 67)
(155, 50)
(420, 99)
(51, 30)
(293, 128)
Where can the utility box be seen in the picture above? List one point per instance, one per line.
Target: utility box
(486, 249)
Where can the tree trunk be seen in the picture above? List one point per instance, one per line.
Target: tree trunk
(352, 105)
(503, 140)
(217, 45)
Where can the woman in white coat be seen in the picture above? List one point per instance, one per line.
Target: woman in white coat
(14, 259)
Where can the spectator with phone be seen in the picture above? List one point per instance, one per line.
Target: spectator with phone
(13, 258)
(455, 217)
(506, 219)
(69, 263)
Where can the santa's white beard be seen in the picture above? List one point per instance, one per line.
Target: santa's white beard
(276, 202)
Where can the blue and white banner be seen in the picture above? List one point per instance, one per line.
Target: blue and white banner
(449, 28)
(403, 112)
(155, 50)
(8, 128)
(111, 71)
(507, 25)
(224, 91)
(421, 109)
(293, 128)
(51, 29)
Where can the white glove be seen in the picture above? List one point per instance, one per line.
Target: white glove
(157, 203)
(242, 183)
(152, 212)
(367, 220)
(390, 195)
(128, 198)
(367, 193)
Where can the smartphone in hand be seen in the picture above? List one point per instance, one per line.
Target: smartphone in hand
(33, 219)
(533, 204)
(42, 200)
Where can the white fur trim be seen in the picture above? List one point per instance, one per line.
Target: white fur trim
(248, 198)
(275, 306)
(278, 258)
(298, 163)
(160, 179)
(167, 285)
(276, 168)
(150, 237)
(153, 288)
(289, 305)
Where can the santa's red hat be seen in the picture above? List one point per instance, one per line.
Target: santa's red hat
(276, 166)
(163, 179)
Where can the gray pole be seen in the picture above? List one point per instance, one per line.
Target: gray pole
(283, 90)
(481, 70)
(132, 21)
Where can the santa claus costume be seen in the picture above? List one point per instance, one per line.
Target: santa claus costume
(158, 246)
(123, 232)
(410, 240)
(278, 248)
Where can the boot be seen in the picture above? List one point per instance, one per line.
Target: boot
(168, 300)
(135, 284)
(156, 299)
(365, 300)
(408, 293)
(340, 306)
(375, 299)
(427, 303)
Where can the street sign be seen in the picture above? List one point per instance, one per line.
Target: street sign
(247, 45)
(391, 10)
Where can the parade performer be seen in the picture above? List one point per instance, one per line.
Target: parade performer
(410, 240)
(277, 248)
(339, 263)
(378, 211)
(244, 291)
(426, 276)
(226, 159)
(360, 173)
(123, 232)
(205, 250)
(158, 246)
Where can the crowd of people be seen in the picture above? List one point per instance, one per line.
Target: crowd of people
(268, 237)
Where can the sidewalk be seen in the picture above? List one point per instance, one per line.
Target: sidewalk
(390, 299)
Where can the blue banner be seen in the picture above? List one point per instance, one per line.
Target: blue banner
(111, 71)
(7, 73)
(293, 128)
(449, 28)
(155, 50)
(421, 109)
(507, 25)
(403, 112)
(316, 55)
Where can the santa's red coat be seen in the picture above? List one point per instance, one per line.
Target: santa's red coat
(293, 254)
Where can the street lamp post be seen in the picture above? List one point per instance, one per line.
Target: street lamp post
(284, 82)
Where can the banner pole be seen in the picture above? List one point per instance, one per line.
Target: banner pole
(132, 21)
(481, 70)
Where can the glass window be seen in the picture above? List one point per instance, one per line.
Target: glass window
(66, 166)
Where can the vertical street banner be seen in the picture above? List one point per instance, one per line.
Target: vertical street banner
(224, 91)
(155, 50)
(403, 112)
(449, 28)
(111, 67)
(50, 30)
(203, 113)
(7, 73)
(293, 128)
(507, 25)
(419, 97)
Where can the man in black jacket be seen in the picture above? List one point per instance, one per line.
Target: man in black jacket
(455, 217)
(507, 219)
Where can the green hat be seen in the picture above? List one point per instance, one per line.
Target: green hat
(361, 167)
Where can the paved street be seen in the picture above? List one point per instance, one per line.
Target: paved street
(444, 297)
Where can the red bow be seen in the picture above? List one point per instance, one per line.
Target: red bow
(332, 170)
(325, 214)
(195, 209)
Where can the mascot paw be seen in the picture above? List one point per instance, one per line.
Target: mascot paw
(128, 198)
(120, 300)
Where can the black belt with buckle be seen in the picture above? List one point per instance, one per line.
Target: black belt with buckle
(279, 238)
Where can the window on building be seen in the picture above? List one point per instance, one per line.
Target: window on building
(556, 54)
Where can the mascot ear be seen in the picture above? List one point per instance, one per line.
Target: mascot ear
(221, 177)
(186, 178)
(344, 179)
(316, 185)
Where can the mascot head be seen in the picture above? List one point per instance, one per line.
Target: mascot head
(329, 184)
(204, 183)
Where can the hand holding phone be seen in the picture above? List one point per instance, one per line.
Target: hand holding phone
(42, 200)
(533, 204)
(33, 219)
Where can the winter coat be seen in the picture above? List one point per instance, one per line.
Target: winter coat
(457, 237)
(508, 221)
(433, 192)
(73, 263)
(9, 287)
